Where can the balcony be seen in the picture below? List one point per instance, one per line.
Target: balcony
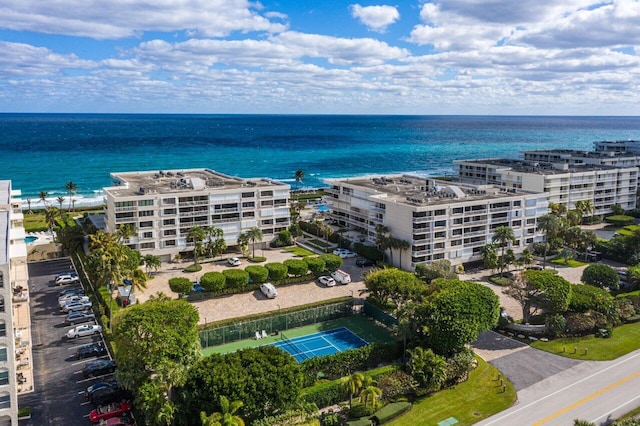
(193, 203)
(126, 209)
(192, 214)
(126, 219)
(230, 210)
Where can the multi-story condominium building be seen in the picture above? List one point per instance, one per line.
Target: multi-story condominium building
(162, 206)
(15, 332)
(621, 147)
(439, 219)
(562, 182)
(579, 158)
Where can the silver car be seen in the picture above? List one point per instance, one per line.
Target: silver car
(84, 330)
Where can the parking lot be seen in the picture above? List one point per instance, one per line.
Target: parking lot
(59, 384)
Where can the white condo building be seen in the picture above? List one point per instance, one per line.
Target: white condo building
(162, 206)
(15, 324)
(563, 182)
(620, 147)
(439, 219)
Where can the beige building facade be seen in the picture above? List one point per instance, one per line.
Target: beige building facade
(162, 207)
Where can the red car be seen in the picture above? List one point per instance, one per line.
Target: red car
(109, 411)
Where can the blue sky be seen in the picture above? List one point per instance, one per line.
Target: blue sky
(571, 57)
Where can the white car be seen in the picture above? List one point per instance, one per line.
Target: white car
(327, 281)
(268, 290)
(67, 279)
(84, 330)
(348, 253)
(73, 299)
(77, 306)
(339, 251)
(234, 261)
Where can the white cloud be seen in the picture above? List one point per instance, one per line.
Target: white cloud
(116, 19)
(376, 18)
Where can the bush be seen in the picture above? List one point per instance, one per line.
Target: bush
(180, 285)
(601, 275)
(277, 271)
(624, 309)
(283, 239)
(586, 298)
(196, 267)
(309, 228)
(324, 394)
(331, 261)
(396, 383)
(296, 267)
(360, 410)
(459, 366)
(257, 259)
(391, 411)
(369, 252)
(329, 419)
(556, 325)
(585, 323)
(316, 265)
(620, 220)
(257, 273)
(236, 278)
(213, 281)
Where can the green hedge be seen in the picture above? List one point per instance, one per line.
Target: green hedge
(369, 252)
(296, 267)
(257, 273)
(206, 295)
(196, 267)
(331, 261)
(391, 411)
(213, 281)
(277, 271)
(620, 220)
(180, 285)
(236, 278)
(316, 265)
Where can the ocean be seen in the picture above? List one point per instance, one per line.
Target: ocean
(41, 152)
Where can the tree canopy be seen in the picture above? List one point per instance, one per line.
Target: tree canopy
(535, 290)
(394, 285)
(601, 275)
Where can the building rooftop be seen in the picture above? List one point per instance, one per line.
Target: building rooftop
(539, 168)
(581, 154)
(419, 191)
(180, 181)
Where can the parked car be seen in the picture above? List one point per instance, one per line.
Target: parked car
(67, 300)
(109, 411)
(339, 251)
(67, 279)
(327, 281)
(112, 384)
(234, 261)
(73, 290)
(363, 261)
(64, 274)
(268, 290)
(118, 421)
(98, 367)
(77, 307)
(108, 395)
(84, 330)
(341, 277)
(93, 349)
(74, 318)
(348, 253)
(70, 296)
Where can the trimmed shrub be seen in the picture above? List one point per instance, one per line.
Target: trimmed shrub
(236, 278)
(620, 220)
(283, 239)
(196, 267)
(601, 275)
(585, 323)
(316, 265)
(396, 383)
(277, 271)
(360, 410)
(213, 281)
(459, 366)
(391, 411)
(309, 228)
(257, 273)
(331, 261)
(586, 298)
(624, 309)
(257, 259)
(324, 393)
(180, 285)
(369, 252)
(556, 324)
(296, 267)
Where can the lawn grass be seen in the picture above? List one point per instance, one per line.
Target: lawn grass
(625, 339)
(319, 243)
(571, 263)
(478, 398)
(360, 325)
(36, 222)
(298, 251)
(498, 279)
(628, 230)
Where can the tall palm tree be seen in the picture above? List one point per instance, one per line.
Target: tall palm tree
(73, 204)
(216, 244)
(43, 197)
(429, 369)
(196, 235)
(550, 225)
(352, 385)
(150, 262)
(125, 231)
(503, 235)
(369, 395)
(227, 415)
(254, 234)
(402, 245)
(243, 242)
(50, 216)
(29, 204)
(299, 176)
(60, 200)
(71, 190)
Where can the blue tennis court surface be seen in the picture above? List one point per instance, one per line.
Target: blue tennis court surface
(321, 344)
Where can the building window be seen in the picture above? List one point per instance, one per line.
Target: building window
(145, 213)
(168, 201)
(169, 211)
(170, 232)
(3, 329)
(4, 377)
(1, 304)
(3, 354)
(248, 204)
(148, 245)
(124, 204)
(457, 210)
(147, 235)
(145, 202)
(249, 214)
(440, 234)
(248, 194)
(5, 402)
(440, 212)
(169, 222)
(440, 223)
(147, 224)
(266, 194)
(266, 203)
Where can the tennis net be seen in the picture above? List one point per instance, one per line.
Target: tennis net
(293, 346)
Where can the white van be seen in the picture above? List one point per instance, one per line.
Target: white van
(341, 277)
(268, 290)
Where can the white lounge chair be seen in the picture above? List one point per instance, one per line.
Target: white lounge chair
(264, 334)
(258, 336)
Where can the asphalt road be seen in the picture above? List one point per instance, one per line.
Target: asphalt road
(57, 398)
(593, 391)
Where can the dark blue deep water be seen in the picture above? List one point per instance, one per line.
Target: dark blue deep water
(41, 152)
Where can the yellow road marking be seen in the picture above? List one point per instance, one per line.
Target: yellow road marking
(587, 399)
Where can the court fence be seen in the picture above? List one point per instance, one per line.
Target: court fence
(279, 322)
(380, 315)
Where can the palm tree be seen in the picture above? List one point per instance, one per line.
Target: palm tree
(243, 242)
(254, 234)
(73, 204)
(429, 369)
(29, 204)
(227, 415)
(369, 395)
(299, 176)
(503, 235)
(196, 235)
(43, 197)
(125, 231)
(60, 200)
(550, 225)
(71, 190)
(579, 422)
(381, 235)
(50, 216)
(151, 261)
(352, 385)
(216, 244)
(402, 245)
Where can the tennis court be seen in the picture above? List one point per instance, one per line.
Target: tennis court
(320, 344)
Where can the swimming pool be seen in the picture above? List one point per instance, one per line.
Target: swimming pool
(322, 208)
(29, 239)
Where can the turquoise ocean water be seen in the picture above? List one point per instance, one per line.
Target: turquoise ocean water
(41, 152)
